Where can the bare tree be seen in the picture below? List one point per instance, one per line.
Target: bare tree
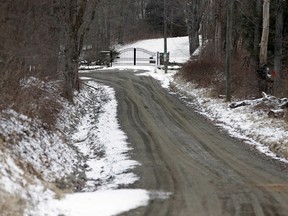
(193, 11)
(29, 40)
(77, 16)
(218, 38)
(278, 45)
(265, 33)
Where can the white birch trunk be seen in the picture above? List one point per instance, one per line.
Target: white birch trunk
(265, 33)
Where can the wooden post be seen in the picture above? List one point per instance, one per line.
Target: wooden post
(111, 58)
(134, 56)
(165, 37)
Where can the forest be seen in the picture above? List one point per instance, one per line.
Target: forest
(46, 39)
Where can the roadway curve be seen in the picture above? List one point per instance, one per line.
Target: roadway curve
(208, 172)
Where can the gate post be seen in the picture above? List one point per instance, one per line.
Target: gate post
(111, 58)
(134, 56)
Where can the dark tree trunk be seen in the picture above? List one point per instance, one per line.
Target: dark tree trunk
(278, 47)
(218, 39)
(193, 37)
(193, 13)
(257, 24)
(77, 25)
(71, 65)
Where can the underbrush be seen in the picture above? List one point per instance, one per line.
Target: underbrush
(11, 205)
(283, 90)
(39, 100)
(31, 96)
(209, 71)
(203, 72)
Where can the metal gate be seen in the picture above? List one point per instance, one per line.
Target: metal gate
(136, 56)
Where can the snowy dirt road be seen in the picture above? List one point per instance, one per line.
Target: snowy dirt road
(207, 172)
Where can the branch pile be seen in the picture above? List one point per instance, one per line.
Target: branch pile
(276, 107)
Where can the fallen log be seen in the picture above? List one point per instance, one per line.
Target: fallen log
(238, 104)
(276, 105)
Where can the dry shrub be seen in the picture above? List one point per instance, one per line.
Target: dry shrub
(33, 101)
(11, 205)
(38, 103)
(285, 91)
(282, 91)
(266, 107)
(286, 116)
(245, 82)
(209, 71)
(203, 72)
(9, 84)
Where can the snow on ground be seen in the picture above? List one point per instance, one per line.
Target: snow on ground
(98, 145)
(100, 148)
(104, 145)
(253, 127)
(30, 141)
(177, 46)
(102, 203)
(249, 125)
(267, 135)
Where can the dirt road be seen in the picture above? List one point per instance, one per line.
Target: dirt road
(207, 172)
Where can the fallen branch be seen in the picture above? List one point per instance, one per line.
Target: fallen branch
(276, 106)
(238, 104)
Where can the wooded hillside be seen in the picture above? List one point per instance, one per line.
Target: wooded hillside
(45, 38)
(259, 45)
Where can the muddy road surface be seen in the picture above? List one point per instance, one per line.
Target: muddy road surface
(207, 172)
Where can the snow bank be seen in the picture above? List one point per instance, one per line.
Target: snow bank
(102, 203)
(104, 144)
(46, 152)
(87, 146)
(252, 126)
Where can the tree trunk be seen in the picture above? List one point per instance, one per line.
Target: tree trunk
(71, 64)
(193, 37)
(218, 38)
(278, 46)
(218, 28)
(77, 25)
(265, 33)
(257, 23)
(193, 13)
(229, 49)
(124, 13)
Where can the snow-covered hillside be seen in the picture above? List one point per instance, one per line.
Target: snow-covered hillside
(86, 153)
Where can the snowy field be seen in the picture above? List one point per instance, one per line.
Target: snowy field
(178, 47)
